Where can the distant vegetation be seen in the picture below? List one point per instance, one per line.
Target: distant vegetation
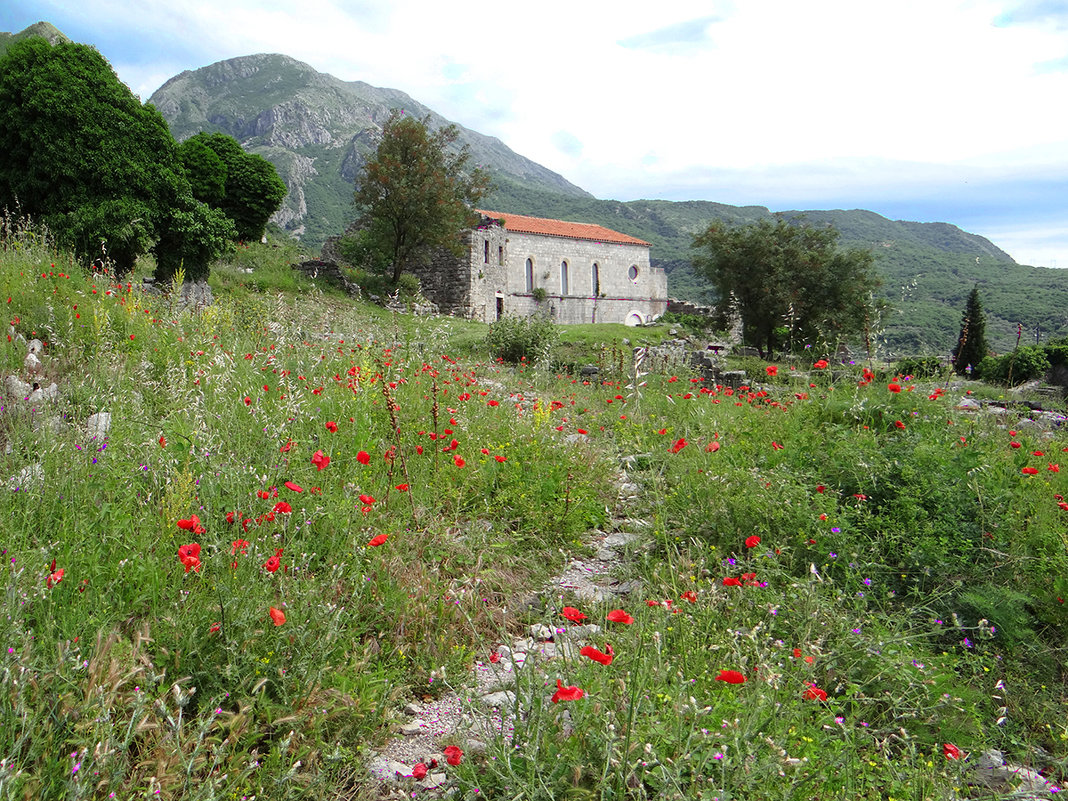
(927, 269)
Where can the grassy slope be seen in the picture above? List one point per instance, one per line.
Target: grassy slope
(909, 562)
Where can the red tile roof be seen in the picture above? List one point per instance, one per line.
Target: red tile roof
(569, 230)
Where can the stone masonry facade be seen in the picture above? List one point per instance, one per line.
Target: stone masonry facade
(574, 272)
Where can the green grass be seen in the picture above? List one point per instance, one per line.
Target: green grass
(915, 568)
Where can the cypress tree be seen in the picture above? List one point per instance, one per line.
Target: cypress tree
(971, 342)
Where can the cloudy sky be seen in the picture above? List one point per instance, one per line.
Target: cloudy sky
(929, 110)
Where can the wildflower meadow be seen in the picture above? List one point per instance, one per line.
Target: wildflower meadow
(304, 512)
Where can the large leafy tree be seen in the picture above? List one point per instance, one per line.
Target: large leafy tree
(791, 283)
(245, 186)
(80, 152)
(971, 345)
(415, 194)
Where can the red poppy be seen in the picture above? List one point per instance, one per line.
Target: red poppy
(730, 581)
(572, 614)
(458, 461)
(282, 507)
(401, 488)
(285, 448)
(1015, 445)
(775, 446)
(331, 426)
(366, 500)
(376, 541)
(248, 401)
(951, 751)
(566, 693)
(278, 616)
(1054, 468)
(690, 596)
(712, 447)
(894, 387)
(822, 364)
(295, 487)
(162, 441)
(1030, 471)
(899, 424)
(56, 576)
(419, 771)
(363, 457)
(189, 556)
(772, 370)
(582, 431)
(731, 677)
(453, 755)
(603, 658)
(752, 542)
(275, 562)
(239, 546)
(320, 460)
(619, 616)
(680, 443)
(814, 693)
(192, 524)
(500, 459)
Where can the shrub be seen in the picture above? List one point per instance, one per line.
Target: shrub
(1024, 364)
(920, 366)
(516, 339)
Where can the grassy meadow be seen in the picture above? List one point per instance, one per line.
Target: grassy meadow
(307, 512)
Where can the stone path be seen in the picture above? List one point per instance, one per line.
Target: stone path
(480, 710)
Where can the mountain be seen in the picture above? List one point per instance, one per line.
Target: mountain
(45, 29)
(927, 269)
(316, 130)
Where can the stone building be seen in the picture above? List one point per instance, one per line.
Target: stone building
(575, 272)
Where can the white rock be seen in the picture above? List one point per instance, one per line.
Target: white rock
(502, 699)
(414, 727)
(16, 387)
(541, 632)
(32, 364)
(35, 346)
(30, 477)
(99, 424)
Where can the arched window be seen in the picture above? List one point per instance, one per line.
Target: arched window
(530, 275)
(563, 279)
(596, 280)
(633, 273)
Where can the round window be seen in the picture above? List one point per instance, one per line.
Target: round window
(633, 272)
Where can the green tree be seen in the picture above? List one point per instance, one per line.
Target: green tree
(971, 346)
(415, 194)
(83, 155)
(790, 281)
(243, 185)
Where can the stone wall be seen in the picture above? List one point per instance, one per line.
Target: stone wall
(490, 280)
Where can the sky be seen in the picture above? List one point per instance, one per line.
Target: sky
(926, 110)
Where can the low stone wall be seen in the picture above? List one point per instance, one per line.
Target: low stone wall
(328, 271)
